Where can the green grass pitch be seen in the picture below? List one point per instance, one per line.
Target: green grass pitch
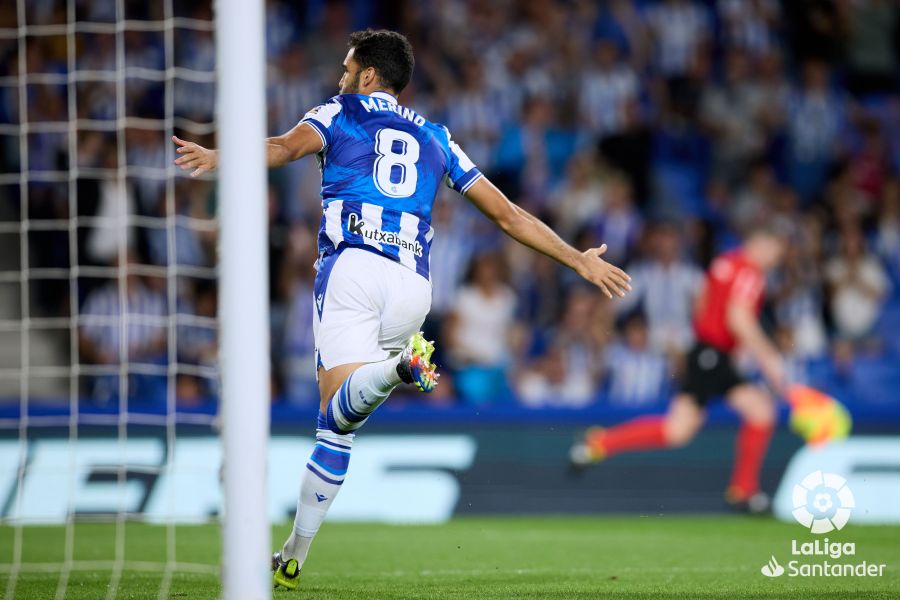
(475, 558)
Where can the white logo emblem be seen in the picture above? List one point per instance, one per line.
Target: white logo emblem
(772, 568)
(822, 502)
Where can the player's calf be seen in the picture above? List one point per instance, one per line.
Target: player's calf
(322, 480)
(368, 387)
(758, 417)
(364, 390)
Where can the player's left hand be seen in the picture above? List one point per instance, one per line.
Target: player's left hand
(194, 156)
(609, 278)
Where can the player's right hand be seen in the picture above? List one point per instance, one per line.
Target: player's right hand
(194, 156)
(609, 278)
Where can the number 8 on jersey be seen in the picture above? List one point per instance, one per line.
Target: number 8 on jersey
(395, 168)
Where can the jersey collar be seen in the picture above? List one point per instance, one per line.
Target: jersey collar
(384, 96)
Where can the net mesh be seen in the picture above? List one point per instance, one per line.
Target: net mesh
(107, 277)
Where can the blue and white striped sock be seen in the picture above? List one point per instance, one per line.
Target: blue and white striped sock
(360, 394)
(322, 479)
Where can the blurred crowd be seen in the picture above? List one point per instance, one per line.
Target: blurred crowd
(662, 128)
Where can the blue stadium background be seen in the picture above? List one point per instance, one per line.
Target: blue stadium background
(663, 128)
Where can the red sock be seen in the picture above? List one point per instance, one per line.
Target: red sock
(644, 433)
(750, 450)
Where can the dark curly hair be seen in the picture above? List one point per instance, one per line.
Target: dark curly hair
(388, 52)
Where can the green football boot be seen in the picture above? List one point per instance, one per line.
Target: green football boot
(415, 364)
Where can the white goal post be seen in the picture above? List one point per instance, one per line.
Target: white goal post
(244, 310)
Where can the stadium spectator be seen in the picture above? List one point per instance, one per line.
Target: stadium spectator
(774, 86)
(473, 114)
(299, 349)
(797, 302)
(552, 382)
(585, 330)
(194, 98)
(452, 250)
(578, 198)
(188, 243)
(479, 332)
(732, 111)
(622, 22)
(538, 286)
(568, 361)
(751, 25)
(104, 326)
(197, 340)
(619, 224)
(292, 87)
(887, 235)
(868, 167)
(754, 198)
(609, 86)
(872, 55)
(679, 30)
(795, 363)
(665, 286)
(638, 374)
(532, 152)
(815, 122)
(858, 288)
(817, 28)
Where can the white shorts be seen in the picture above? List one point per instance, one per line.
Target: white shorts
(366, 307)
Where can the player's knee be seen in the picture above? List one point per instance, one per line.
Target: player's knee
(757, 407)
(763, 412)
(680, 431)
(680, 437)
(333, 440)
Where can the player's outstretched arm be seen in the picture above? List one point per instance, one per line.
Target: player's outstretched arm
(532, 232)
(745, 326)
(280, 150)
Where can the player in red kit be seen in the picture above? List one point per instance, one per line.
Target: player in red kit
(726, 318)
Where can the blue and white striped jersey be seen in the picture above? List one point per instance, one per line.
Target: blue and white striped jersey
(382, 165)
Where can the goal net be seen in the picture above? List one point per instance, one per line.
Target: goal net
(108, 332)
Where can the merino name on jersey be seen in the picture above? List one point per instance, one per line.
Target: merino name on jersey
(382, 166)
(401, 111)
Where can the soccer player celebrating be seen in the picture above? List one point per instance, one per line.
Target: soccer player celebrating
(382, 164)
(726, 318)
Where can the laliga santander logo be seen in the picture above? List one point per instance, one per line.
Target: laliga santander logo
(772, 568)
(822, 502)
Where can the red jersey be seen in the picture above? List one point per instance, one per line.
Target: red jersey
(731, 278)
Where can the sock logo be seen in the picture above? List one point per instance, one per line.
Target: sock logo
(363, 398)
(321, 497)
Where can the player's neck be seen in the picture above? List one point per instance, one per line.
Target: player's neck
(751, 256)
(384, 94)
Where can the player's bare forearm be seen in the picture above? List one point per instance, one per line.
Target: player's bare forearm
(746, 328)
(277, 154)
(532, 232)
(527, 229)
(280, 150)
(300, 141)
